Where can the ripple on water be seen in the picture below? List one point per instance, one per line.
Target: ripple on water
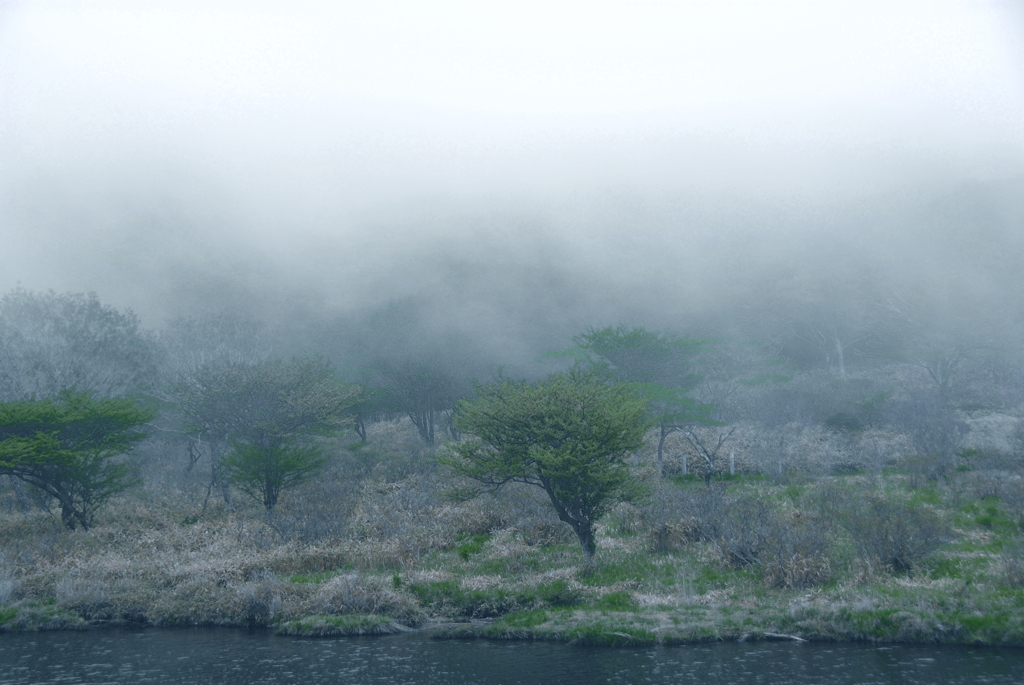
(225, 656)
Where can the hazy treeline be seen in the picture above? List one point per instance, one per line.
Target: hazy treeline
(900, 314)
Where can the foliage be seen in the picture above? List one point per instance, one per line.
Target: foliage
(412, 368)
(268, 411)
(745, 530)
(263, 472)
(660, 367)
(67, 448)
(934, 429)
(568, 435)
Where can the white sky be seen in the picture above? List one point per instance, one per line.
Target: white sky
(388, 78)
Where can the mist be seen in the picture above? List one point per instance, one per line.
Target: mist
(522, 174)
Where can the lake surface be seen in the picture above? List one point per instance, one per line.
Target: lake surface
(226, 656)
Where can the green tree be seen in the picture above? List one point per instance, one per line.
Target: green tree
(415, 368)
(568, 435)
(269, 414)
(68, 447)
(661, 369)
(263, 472)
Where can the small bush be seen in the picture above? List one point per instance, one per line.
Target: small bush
(745, 530)
(796, 555)
(260, 600)
(737, 525)
(84, 596)
(8, 589)
(355, 594)
(887, 532)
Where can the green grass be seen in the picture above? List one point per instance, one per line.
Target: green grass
(616, 601)
(470, 544)
(559, 593)
(955, 567)
(522, 619)
(926, 495)
(600, 631)
(632, 567)
(449, 598)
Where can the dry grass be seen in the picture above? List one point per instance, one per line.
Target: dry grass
(377, 541)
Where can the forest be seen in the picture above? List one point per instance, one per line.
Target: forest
(832, 453)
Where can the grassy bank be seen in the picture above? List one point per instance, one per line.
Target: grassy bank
(748, 559)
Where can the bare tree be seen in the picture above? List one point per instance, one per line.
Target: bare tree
(708, 446)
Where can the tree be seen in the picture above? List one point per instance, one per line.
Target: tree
(943, 330)
(816, 318)
(68, 447)
(263, 472)
(728, 368)
(423, 388)
(51, 342)
(268, 412)
(660, 368)
(412, 366)
(568, 435)
(191, 346)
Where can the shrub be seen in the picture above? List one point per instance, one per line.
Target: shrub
(745, 530)
(887, 532)
(738, 525)
(354, 594)
(796, 554)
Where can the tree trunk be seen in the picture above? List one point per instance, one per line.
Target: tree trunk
(69, 514)
(583, 527)
(585, 534)
(360, 427)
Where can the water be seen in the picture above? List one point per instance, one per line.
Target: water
(225, 656)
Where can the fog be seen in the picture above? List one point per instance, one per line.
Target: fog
(522, 173)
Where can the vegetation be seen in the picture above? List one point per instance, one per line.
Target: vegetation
(69, 447)
(858, 504)
(268, 413)
(569, 436)
(661, 368)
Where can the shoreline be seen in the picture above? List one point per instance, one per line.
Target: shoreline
(576, 626)
(484, 570)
